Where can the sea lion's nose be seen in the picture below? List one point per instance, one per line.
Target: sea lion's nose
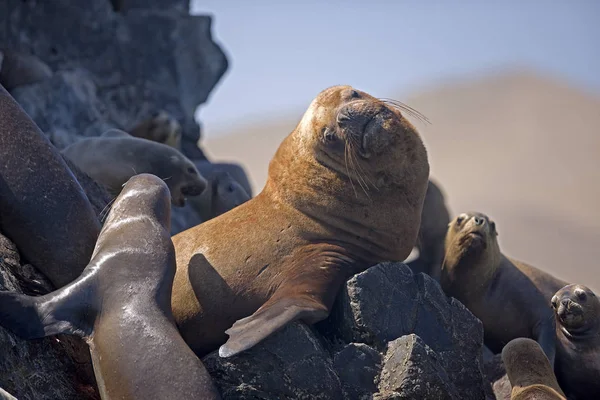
(478, 220)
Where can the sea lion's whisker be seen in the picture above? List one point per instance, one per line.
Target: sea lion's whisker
(106, 210)
(347, 171)
(406, 108)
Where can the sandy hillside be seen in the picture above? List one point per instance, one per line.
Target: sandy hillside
(521, 147)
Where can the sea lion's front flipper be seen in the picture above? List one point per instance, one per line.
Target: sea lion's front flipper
(307, 295)
(63, 311)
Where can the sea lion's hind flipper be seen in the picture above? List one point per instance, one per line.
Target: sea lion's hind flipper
(271, 317)
(19, 314)
(63, 311)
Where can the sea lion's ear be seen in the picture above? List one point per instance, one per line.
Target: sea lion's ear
(115, 133)
(307, 297)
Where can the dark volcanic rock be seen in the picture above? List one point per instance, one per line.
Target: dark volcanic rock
(358, 367)
(153, 56)
(291, 364)
(387, 302)
(52, 368)
(412, 370)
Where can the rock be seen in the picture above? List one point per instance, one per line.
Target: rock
(387, 302)
(153, 56)
(411, 370)
(291, 364)
(65, 106)
(53, 368)
(495, 374)
(358, 367)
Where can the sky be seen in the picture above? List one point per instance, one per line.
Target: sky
(283, 53)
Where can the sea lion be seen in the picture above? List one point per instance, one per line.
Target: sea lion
(223, 192)
(115, 156)
(577, 312)
(43, 209)
(20, 69)
(121, 304)
(236, 171)
(344, 192)
(161, 127)
(4, 395)
(432, 233)
(509, 297)
(529, 371)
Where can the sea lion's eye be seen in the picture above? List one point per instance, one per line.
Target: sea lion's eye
(459, 220)
(354, 94)
(328, 135)
(191, 170)
(553, 302)
(580, 294)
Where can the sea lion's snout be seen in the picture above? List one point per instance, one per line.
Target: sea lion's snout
(194, 189)
(364, 123)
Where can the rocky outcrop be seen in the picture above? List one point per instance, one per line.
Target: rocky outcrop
(391, 335)
(117, 67)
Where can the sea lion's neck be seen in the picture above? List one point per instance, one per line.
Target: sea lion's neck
(368, 220)
(467, 274)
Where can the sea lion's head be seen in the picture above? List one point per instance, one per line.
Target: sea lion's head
(471, 249)
(185, 179)
(355, 160)
(357, 134)
(165, 129)
(577, 310)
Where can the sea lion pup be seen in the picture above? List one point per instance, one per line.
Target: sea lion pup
(577, 312)
(161, 127)
(236, 171)
(344, 192)
(529, 371)
(43, 209)
(432, 233)
(121, 304)
(115, 156)
(222, 194)
(20, 69)
(510, 298)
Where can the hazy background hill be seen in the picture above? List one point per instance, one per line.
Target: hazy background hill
(518, 145)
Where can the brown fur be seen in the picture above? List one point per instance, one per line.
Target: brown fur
(43, 209)
(530, 372)
(510, 297)
(329, 209)
(577, 312)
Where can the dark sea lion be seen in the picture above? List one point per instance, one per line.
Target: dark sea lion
(577, 312)
(121, 304)
(529, 371)
(236, 171)
(43, 209)
(435, 218)
(223, 193)
(159, 127)
(344, 192)
(509, 297)
(116, 156)
(20, 69)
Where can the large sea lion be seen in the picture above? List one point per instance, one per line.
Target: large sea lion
(509, 297)
(20, 69)
(43, 209)
(577, 312)
(435, 218)
(529, 371)
(121, 304)
(344, 192)
(160, 127)
(223, 192)
(115, 156)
